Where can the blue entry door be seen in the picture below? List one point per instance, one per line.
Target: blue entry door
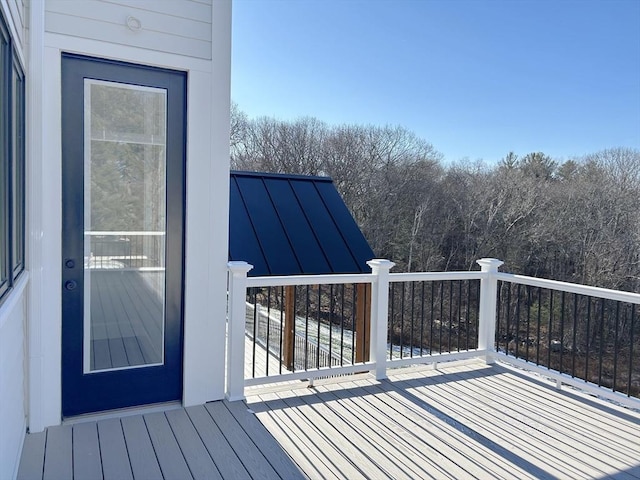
(123, 170)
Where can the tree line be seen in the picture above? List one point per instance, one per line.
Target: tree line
(574, 220)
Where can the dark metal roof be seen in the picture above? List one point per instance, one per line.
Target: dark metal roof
(292, 225)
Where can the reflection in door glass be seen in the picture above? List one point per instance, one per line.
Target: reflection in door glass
(125, 225)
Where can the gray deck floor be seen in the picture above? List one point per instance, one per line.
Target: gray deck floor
(461, 421)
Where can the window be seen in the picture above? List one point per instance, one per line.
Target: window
(12, 163)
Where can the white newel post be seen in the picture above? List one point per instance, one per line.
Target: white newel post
(380, 314)
(488, 299)
(236, 317)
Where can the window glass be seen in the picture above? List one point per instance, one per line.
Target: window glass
(12, 163)
(17, 171)
(4, 158)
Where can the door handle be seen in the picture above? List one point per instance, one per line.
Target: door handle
(70, 285)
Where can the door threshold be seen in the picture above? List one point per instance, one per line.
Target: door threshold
(122, 412)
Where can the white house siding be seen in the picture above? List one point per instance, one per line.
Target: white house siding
(14, 13)
(12, 379)
(182, 27)
(13, 321)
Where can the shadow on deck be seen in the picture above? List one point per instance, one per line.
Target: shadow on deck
(461, 421)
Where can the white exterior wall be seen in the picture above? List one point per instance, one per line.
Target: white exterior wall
(14, 13)
(13, 316)
(180, 27)
(12, 378)
(101, 30)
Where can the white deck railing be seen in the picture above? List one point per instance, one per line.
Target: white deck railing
(380, 279)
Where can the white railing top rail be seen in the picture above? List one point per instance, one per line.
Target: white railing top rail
(334, 279)
(598, 292)
(436, 276)
(124, 233)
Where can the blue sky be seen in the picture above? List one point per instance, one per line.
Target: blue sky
(475, 78)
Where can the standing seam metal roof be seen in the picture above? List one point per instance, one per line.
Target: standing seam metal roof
(293, 225)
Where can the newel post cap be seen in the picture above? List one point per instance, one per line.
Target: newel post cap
(489, 264)
(378, 264)
(239, 267)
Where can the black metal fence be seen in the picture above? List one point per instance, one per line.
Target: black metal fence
(433, 317)
(308, 327)
(594, 339)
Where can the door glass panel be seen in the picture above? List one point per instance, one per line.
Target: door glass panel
(124, 225)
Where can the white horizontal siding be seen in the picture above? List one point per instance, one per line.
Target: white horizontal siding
(181, 27)
(12, 380)
(14, 11)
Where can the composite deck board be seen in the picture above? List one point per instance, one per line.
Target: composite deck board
(420, 449)
(374, 413)
(115, 459)
(59, 462)
(448, 446)
(566, 427)
(248, 452)
(383, 446)
(195, 453)
(86, 451)
(523, 430)
(165, 444)
(32, 460)
(459, 421)
(274, 454)
(372, 462)
(140, 452)
(302, 440)
(225, 459)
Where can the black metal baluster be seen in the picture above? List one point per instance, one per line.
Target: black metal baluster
(508, 319)
(421, 316)
(319, 325)
(353, 323)
(458, 306)
(294, 324)
(630, 376)
(441, 314)
(450, 329)
(281, 339)
(268, 331)
(587, 340)
(467, 315)
(306, 327)
(413, 302)
(517, 335)
(550, 329)
(615, 347)
(574, 336)
(255, 322)
(562, 303)
(403, 293)
(342, 324)
(528, 322)
(331, 307)
(538, 339)
(392, 317)
(433, 286)
(601, 342)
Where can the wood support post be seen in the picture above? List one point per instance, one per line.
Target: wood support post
(289, 326)
(363, 322)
